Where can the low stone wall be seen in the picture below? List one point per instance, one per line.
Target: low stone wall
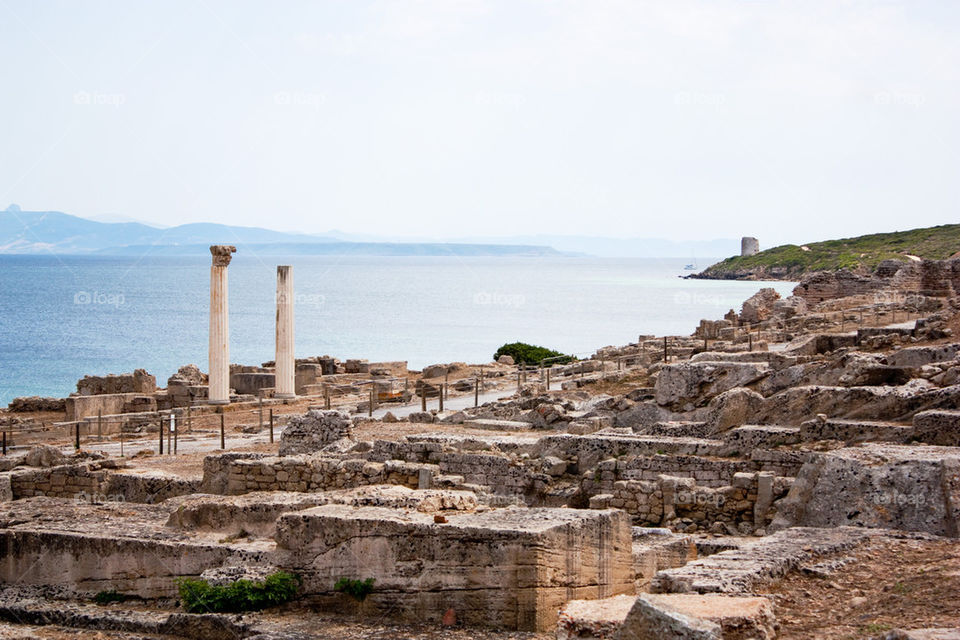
(80, 407)
(738, 508)
(97, 482)
(148, 488)
(310, 473)
(64, 481)
(501, 474)
(137, 382)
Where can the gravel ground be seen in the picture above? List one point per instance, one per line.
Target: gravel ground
(887, 584)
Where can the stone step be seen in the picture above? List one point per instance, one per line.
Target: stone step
(681, 429)
(699, 617)
(594, 619)
(938, 426)
(750, 437)
(852, 431)
(758, 564)
(498, 425)
(656, 549)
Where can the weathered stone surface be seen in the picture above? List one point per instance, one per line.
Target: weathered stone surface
(257, 512)
(506, 568)
(749, 437)
(919, 356)
(940, 427)
(756, 564)
(898, 404)
(733, 408)
(759, 306)
(28, 404)
(811, 345)
(924, 634)
(913, 488)
(690, 616)
(691, 384)
(44, 456)
(656, 549)
(113, 545)
(137, 382)
(314, 431)
(594, 619)
(853, 431)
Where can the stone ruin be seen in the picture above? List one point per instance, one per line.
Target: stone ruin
(660, 490)
(314, 431)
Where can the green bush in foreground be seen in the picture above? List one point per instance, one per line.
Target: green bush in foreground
(199, 596)
(356, 589)
(523, 353)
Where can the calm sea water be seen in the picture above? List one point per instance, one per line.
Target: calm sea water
(64, 317)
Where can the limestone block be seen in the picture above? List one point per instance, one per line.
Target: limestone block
(506, 568)
(914, 488)
(940, 427)
(699, 617)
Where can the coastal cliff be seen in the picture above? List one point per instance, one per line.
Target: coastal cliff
(861, 255)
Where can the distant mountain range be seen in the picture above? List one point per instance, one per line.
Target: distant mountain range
(34, 232)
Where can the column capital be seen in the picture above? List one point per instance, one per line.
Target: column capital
(222, 254)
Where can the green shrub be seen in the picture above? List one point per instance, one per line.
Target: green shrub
(523, 353)
(356, 589)
(199, 596)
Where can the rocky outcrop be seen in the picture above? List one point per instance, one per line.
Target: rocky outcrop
(877, 485)
(759, 306)
(686, 385)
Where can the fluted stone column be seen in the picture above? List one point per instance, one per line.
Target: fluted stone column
(219, 352)
(284, 357)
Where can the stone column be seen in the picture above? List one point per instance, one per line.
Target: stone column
(284, 371)
(218, 356)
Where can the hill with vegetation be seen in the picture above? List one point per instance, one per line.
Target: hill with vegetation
(860, 255)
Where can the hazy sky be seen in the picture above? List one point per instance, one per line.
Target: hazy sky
(793, 121)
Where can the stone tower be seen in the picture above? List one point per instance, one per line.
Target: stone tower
(749, 246)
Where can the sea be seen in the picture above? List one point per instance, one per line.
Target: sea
(63, 317)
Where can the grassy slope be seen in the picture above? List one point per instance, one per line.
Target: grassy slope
(862, 253)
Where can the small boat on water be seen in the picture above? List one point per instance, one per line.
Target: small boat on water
(690, 267)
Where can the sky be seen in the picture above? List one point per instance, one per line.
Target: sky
(791, 121)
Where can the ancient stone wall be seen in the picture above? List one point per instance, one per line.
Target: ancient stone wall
(310, 473)
(137, 382)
